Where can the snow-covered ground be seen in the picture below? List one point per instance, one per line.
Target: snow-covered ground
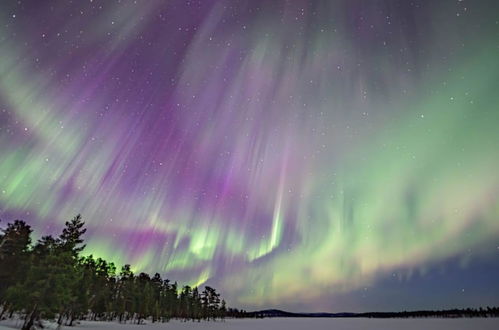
(300, 324)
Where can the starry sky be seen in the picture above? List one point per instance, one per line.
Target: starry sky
(306, 155)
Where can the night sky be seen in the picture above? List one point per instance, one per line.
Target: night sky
(304, 155)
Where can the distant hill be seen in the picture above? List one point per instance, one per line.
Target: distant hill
(280, 313)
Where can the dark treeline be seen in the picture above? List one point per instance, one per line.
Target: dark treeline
(468, 312)
(448, 313)
(51, 280)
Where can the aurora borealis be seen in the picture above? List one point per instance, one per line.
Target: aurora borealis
(277, 149)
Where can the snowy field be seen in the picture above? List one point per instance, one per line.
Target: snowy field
(302, 323)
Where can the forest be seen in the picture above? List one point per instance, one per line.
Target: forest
(52, 280)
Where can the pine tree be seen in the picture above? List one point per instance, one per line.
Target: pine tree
(223, 309)
(72, 236)
(14, 255)
(70, 242)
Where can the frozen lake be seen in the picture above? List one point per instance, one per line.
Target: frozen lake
(306, 323)
(317, 324)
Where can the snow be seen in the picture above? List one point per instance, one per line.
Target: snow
(299, 324)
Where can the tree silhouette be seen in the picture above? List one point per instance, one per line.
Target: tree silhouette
(15, 242)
